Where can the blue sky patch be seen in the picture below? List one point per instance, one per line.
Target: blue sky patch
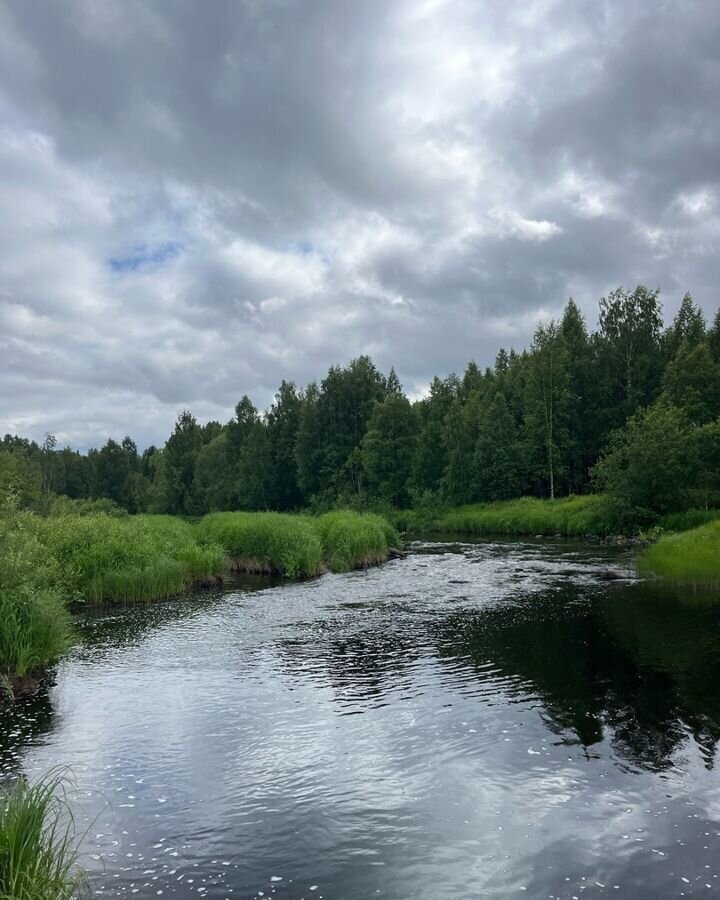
(144, 255)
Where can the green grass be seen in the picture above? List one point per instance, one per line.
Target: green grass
(690, 518)
(264, 542)
(689, 558)
(354, 540)
(299, 545)
(569, 516)
(34, 622)
(35, 631)
(103, 558)
(38, 860)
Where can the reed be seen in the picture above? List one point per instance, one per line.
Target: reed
(38, 859)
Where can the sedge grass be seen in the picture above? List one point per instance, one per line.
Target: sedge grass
(688, 558)
(568, 516)
(353, 540)
(34, 632)
(265, 542)
(38, 860)
(102, 558)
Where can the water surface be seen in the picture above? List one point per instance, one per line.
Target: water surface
(489, 719)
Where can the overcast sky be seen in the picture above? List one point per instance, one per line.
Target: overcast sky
(199, 199)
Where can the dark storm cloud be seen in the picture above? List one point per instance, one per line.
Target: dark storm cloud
(202, 199)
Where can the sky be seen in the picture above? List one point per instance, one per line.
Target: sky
(202, 199)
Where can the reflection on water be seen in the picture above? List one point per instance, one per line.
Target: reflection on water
(489, 719)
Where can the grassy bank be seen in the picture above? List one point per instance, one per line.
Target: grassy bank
(38, 860)
(99, 558)
(353, 540)
(569, 516)
(271, 543)
(298, 545)
(46, 564)
(689, 557)
(34, 621)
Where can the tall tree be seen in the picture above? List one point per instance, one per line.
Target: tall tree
(388, 448)
(630, 348)
(180, 495)
(548, 405)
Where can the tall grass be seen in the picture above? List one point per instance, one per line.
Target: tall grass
(34, 623)
(569, 516)
(690, 557)
(297, 546)
(690, 518)
(272, 543)
(38, 860)
(353, 540)
(102, 558)
(35, 631)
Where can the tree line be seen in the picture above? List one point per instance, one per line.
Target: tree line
(630, 408)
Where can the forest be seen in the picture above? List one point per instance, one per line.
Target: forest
(630, 409)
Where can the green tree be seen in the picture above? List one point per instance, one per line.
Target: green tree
(692, 382)
(388, 448)
(629, 347)
(688, 327)
(283, 424)
(430, 457)
(548, 406)
(179, 494)
(646, 464)
(498, 460)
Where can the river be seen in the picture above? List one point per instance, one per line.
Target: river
(482, 719)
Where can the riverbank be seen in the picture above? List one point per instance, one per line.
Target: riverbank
(48, 564)
(689, 558)
(590, 515)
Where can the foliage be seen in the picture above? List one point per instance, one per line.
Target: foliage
(646, 463)
(34, 624)
(556, 419)
(299, 545)
(38, 860)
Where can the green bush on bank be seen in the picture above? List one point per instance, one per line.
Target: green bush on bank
(689, 557)
(569, 516)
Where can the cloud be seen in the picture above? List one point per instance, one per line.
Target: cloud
(201, 200)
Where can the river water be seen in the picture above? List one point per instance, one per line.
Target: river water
(489, 719)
